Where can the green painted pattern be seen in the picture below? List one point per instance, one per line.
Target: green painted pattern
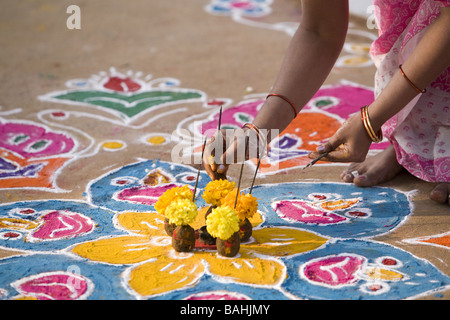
(129, 105)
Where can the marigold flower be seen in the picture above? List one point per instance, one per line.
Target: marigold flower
(181, 212)
(216, 190)
(246, 205)
(170, 195)
(222, 222)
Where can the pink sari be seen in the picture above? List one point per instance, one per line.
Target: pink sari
(420, 132)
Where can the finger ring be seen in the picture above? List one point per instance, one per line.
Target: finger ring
(355, 173)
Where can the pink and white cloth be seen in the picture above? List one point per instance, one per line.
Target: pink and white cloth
(420, 132)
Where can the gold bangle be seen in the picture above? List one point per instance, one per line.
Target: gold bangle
(375, 137)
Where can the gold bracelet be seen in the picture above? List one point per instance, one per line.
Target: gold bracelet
(375, 137)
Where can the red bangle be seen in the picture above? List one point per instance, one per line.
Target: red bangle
(261, 138)
(410, 82)
(285, 99)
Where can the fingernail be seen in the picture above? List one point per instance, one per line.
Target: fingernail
(320, 148)
(362, 177)
(220, 168)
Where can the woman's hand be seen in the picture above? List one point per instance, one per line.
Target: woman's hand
(227, 147)
(349, 144)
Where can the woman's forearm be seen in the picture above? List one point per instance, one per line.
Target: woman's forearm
(309, 59)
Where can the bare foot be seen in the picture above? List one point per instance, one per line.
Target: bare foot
(441, 193)
(384, 167)
(374, 170)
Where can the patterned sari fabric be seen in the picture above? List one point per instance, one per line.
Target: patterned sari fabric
(420, 132)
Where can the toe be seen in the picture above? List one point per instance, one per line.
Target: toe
(441, 193)
(364, 180)
(349, 174)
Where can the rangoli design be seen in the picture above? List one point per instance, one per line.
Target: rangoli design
(310, 240)
(31, 154)
(125, 96)
(248, 8)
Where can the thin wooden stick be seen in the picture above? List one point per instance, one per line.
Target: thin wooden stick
(240, 174)
(220, 118)
(198, 171)
(315, 160)
(257, 167)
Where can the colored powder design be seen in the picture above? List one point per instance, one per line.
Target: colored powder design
(50, 225)
(156, 140)
(333, 271)
(31, 154)
(441, 241)
(358, 269)
(33, 141)
(58, 225)
(217, 295)
(138, 186)
(143, 194)
(118, 84)
(246, 8)
(285, 258)
(126, 97)
(157, 177)
(305, 212)
(52, 286)
(113, 145)
(333, 209)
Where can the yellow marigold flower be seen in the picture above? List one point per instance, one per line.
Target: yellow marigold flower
(170, 195)
(246, 205)
(181, 212)
(222, 222)
(216, 190)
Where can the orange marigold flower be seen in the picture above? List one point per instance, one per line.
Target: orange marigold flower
(246, 205)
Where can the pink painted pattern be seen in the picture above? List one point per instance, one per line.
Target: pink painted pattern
(55, 286)
(333, 270)
(144, 194)
(31, 141)
(217, 296)
(305, 212)
(61, 225)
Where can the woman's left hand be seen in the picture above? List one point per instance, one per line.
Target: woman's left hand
(349, 144)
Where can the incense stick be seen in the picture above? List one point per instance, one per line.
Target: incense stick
(257, 167)
(220, 118)
(198, 171)
(240, 174)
